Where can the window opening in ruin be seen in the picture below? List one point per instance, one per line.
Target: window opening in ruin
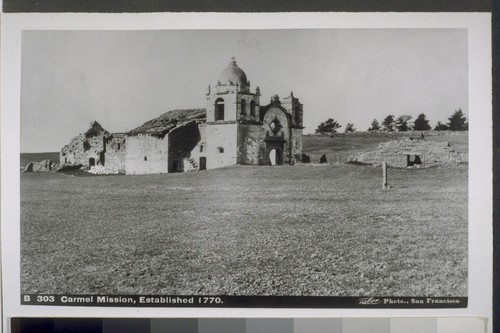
(201, 149)
(91, 161)
(252, 108)
(220, 149)
(413, 160)
(102, 157)
(145, 158)
(65, 160)
(86, 145)
(243, 107)
(219, 109)
(118, 146)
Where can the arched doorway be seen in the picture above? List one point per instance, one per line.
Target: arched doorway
(274, 155)
(91, 161)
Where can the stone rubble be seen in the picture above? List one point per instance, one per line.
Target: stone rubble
(397, 153)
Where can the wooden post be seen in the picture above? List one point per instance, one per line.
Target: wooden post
(384, 175)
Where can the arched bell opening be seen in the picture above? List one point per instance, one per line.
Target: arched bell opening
(219, 109)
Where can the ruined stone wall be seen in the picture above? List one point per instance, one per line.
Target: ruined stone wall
(146, 154)
(251, 145)
(87, 148)
(81, 149)
(395, 153)
(73, 153)
(221, 145)
(115, 153)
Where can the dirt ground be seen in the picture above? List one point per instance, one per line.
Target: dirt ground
(247, 230)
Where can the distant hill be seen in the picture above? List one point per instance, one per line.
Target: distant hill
(30, 157)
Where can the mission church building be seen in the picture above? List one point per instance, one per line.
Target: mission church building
(233, 129)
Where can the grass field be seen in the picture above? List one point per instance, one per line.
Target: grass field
(290, 230)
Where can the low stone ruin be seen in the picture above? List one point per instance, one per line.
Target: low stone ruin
(410, 153)
(40, 166)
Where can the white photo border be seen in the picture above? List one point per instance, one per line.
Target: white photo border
(480, 147)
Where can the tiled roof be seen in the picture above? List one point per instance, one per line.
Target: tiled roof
(166, 122)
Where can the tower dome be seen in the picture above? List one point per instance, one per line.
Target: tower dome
(232, 74)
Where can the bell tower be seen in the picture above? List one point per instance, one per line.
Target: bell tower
(231, 98)
(229, 103)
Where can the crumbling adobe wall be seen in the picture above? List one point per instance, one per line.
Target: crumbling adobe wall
(146, 154)
(86, 146)
(115, 153)
(396, 152)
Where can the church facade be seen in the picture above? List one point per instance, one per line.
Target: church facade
(233, 129)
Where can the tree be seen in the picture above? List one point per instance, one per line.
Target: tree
(440, 127)
(458, 122)
(349, 128)
(421, 123)
(375, 126)
(329, 126)
(389, 125)
(403, 123)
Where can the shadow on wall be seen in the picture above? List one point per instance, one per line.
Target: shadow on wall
(182, 141)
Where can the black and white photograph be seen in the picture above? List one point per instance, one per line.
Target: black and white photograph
(227, 167)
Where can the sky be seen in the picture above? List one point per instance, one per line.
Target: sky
(124, 78)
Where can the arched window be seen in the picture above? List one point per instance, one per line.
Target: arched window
(219, 109)
(252, 108)
(243, 107)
